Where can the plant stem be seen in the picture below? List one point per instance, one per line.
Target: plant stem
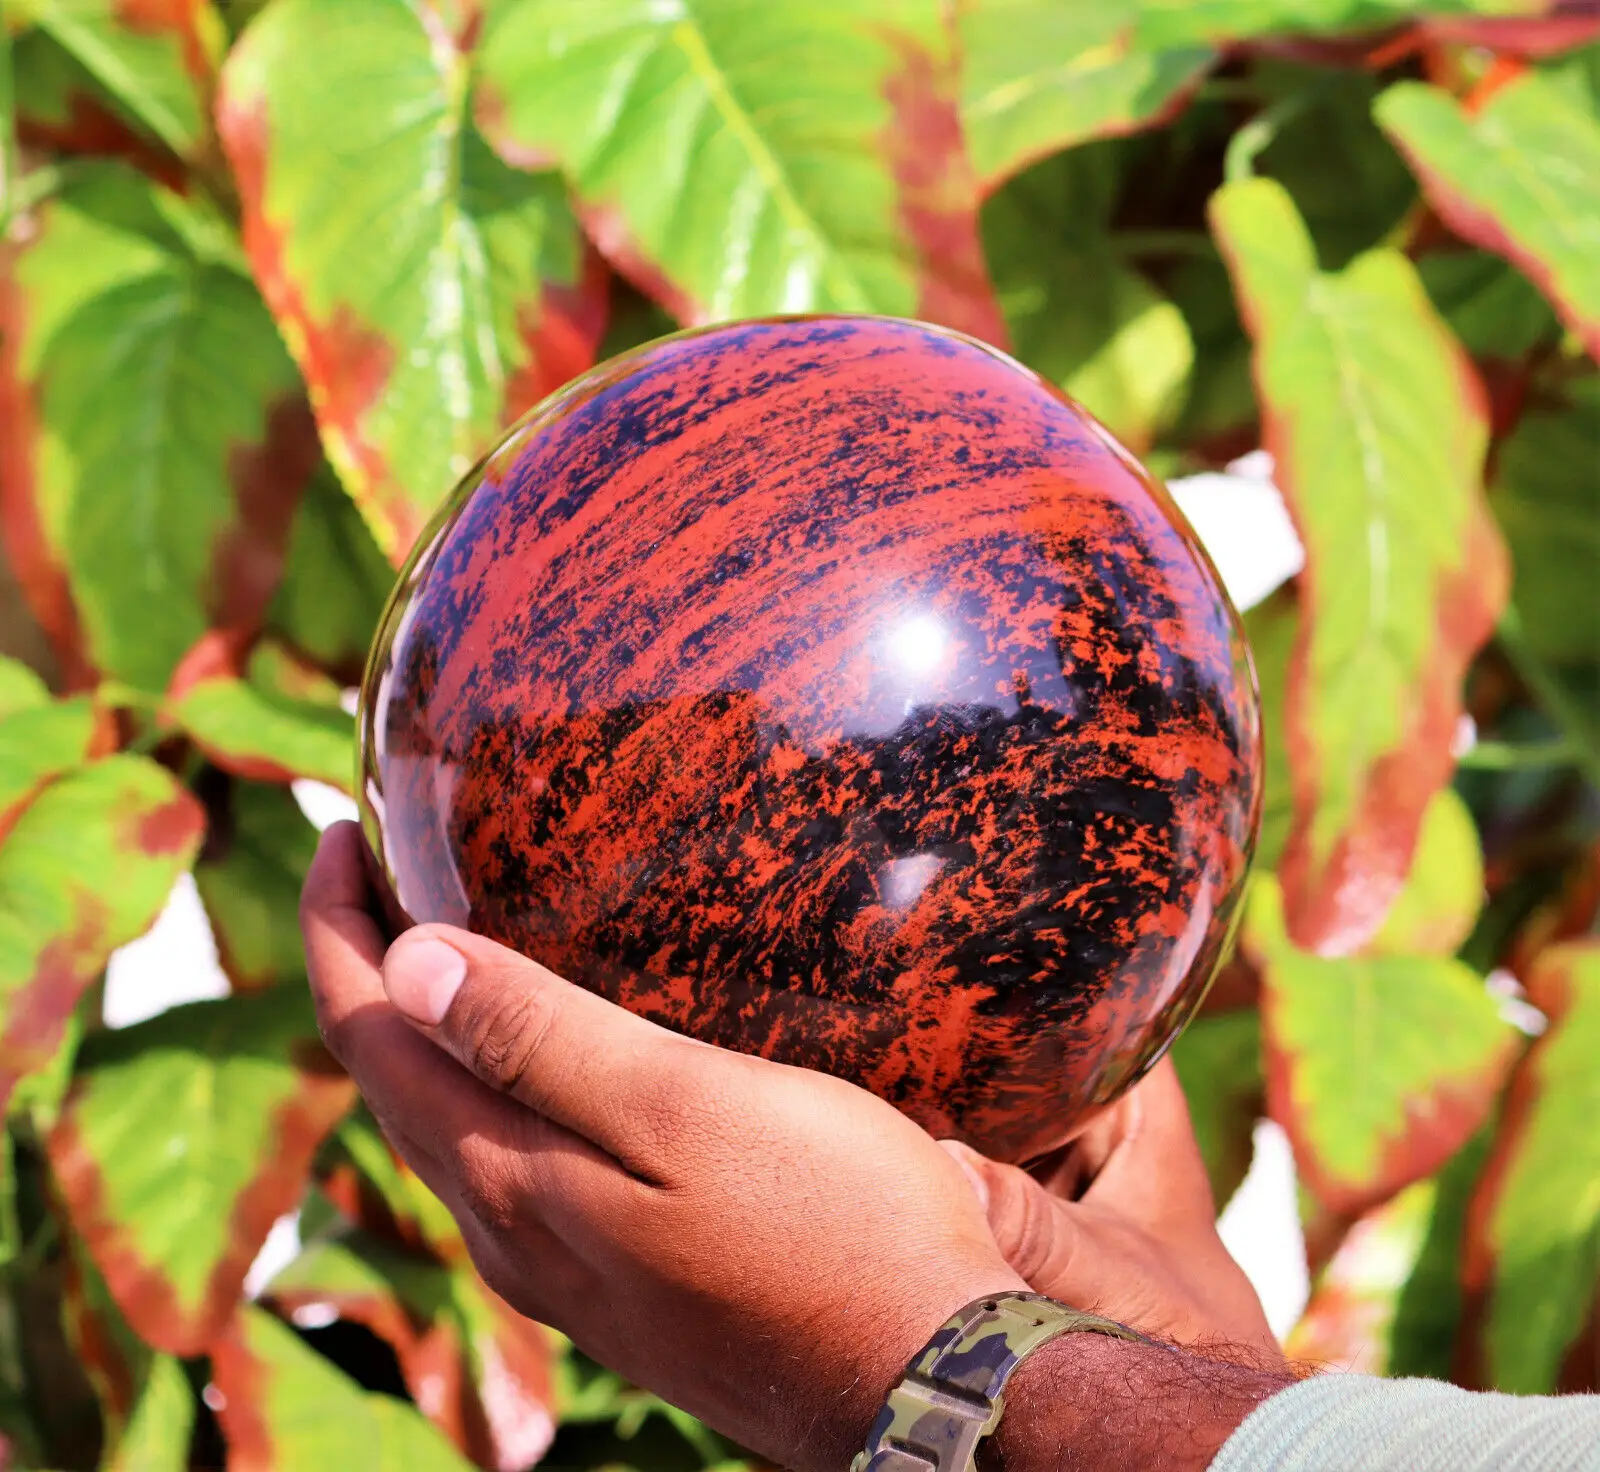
(1516, 756)
(1239, 162)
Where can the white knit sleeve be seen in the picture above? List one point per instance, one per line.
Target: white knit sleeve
(1359, 1423)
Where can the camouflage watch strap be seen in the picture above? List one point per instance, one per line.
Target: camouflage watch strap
(950, 1398)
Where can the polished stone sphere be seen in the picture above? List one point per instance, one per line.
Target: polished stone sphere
(831, 689)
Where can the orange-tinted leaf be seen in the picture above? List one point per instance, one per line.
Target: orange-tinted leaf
(38, 742)
(1378, 430)
(511, 1371)
(155, 434)
(85, 868)
(63, 108)
(284, 1408)
(1348, 1321)
(725, 186)
(1519, 177)
(1528, 36)
(401, 1298)
(1379, 1067)
(480, 1371)
(1531, 1264)
(1435, 910)
(379, 1193)
(266, 737)
(184, 1138)
(1039, 76)
(158, 58)
(475, 297)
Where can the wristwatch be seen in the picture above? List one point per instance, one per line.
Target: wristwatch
(951, 1396)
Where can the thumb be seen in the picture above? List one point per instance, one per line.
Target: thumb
(1035, 1231)
(565, 1052)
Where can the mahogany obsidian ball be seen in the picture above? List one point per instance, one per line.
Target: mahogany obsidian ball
(831, 689)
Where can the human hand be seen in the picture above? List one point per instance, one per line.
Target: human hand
(764, 1246)
(1140, 1243)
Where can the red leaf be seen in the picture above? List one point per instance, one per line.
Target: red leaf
(142, 1106)
(937, 194)
(39, 573)
(101, 846)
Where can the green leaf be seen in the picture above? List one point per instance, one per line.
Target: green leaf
(173, 437)
(114, 1359)
(158, 61)
(1379, 1067)
(285, 1407)
(1038, 76)
(1218, 1059)
(156, 1438)
(8, 132)
(1534, 1230)
(263, 736)
(95, 236)
(1439, 903)
(1349, 184)
(63, 109)
(1519, 177)
(379, 1193)
(335, 583)
(1076, 314)
(429, 292)
(728, 186)
(1547, 498)
(1495, 310)
(1427, 1316)
(1272, 628)
(40, 742)
(183, 1140)
(1221, 404)
(484, 1373)
(1378, 431)
(250, 877)
(85, 868)
(20, 687)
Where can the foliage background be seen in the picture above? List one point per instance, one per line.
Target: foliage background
(274, 274)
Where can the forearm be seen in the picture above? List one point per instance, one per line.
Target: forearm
(1084, 1401)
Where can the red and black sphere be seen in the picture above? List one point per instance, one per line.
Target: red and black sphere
(836, 690)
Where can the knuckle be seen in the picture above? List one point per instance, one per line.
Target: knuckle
(505, 1032)
(486, 1193)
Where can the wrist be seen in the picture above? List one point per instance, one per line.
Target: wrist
(888, 1339)
(1086, 1401)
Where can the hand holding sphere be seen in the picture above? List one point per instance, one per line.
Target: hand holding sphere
(831, 689)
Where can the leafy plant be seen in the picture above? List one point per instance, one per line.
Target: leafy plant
(274, 274)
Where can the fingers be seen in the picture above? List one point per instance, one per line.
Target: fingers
(1154, 1172)
(1036, 1232)
(344, 951)
(469, 1143)
(570, 1055)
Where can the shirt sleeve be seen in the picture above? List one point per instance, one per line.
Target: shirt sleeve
(1360, 1423)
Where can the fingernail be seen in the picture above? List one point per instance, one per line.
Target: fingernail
(422, 977)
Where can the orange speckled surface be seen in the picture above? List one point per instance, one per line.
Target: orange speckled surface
(831, 689)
